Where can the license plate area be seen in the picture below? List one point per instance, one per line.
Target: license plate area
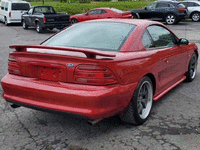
(51, 74)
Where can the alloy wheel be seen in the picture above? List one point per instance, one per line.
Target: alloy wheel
(144, 103)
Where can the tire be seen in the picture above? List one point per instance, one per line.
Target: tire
(38, 28)
(170, 19)
(195, 16)
(6, 21)
(192, 68)
(24, 25)
(50, 28)
(135, 16)
(140, 105)
(74, 21)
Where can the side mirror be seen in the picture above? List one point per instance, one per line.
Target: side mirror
(145, 8)
(25, 12)
(183, 41)
(86, 14)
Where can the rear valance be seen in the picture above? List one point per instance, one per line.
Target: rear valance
(90, 53)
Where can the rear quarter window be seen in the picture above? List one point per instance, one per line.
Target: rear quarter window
(2, 5)
(6, 7)
(181, 6)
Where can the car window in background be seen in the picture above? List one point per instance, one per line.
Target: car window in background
(94, 35)
(161, 36)
(2, 5)
(162, 5)
(94, 12)
(147, 40)
(185, 3)
(103, 12)
(181, 5)
(192, 4)
(116, 10)
(152, 5)
(46, 9)
(20, 6)
(30, 11)
(6, 6)
(195, 4)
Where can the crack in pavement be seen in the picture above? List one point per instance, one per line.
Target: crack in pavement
(25, 128)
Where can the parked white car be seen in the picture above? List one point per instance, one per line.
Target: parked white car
(193, 9)
(11, 10)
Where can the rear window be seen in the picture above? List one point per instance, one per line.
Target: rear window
(20, 6)
(181, 6)
(106, 36)
(116, 10)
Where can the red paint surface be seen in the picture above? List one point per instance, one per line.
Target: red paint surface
(46, 80)
(109, 14)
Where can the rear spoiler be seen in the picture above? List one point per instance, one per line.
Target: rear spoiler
(90, 53)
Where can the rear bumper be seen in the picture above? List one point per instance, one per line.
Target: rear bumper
(56, 25)
(93, 102)
(9, 20)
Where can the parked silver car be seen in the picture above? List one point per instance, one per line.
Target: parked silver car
(193, 9)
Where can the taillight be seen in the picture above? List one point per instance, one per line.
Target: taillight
(181, 9)
(94, 75)
(44, 20)
(10, 14)
(13, 66)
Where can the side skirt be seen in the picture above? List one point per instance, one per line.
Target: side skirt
(157, 97)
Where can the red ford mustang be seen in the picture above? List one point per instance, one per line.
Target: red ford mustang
(100, 68)
(101, 13)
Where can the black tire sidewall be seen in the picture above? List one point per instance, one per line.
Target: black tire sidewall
(75, 21)
(189, 77)
(24, 22)
(137, 117)
(40, 28)
(6, 22)
(134, 16)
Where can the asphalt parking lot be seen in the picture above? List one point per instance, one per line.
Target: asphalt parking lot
(173, 124)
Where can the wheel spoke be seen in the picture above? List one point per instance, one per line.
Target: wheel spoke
(140, 109)
(144, 103)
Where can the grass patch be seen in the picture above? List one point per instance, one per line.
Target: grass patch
(78, 8)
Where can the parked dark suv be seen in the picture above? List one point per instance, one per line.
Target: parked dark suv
(170, 11)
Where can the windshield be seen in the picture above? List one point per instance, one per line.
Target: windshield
(108, 36)
(20, 6)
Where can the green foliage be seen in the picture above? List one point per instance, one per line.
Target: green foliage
(84, 1)
(75, 7)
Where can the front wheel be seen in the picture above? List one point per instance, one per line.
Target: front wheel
(38, 28)
(140, 105)
(50, 28)
(171, 19)
(192, 68)
(195, 16)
